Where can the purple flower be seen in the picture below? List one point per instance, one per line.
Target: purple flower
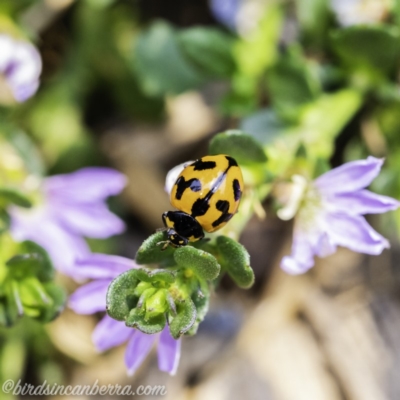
(91, 298)
(72, 206)
(20, 66)
(329, 214)
(226, 11)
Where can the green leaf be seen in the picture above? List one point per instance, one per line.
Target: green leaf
(372, 47)
(25, 147)
(4, 221)
(46, 270)
(324, 119)
(23, 265)
(258, 50)
(241, 146)
(13, 302)
(209, 49)
(3, 314)
(155, 275)
(253, 54)
(137, 319)
(264, 126)
(292, 84)
(10, 195)
(58, 298)
(185, 318)
(55, 120)
(201, 300)
(313, 16)
(121, 296)
(34, 261)
(32, 293)
(202, 263)
(160, 63)
(150, 252)
(235, 259)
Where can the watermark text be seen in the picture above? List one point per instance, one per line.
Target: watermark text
(46, 389)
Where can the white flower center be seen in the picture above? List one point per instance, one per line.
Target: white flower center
(304, 201)
(310, 207)
(297, 191)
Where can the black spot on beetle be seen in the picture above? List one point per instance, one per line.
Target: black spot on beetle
(237, 192)
(223, 206)
(200, 165)
(200, 207)
(232, 162)
(182, 185)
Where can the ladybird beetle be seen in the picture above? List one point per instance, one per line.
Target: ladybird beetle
(207, 194)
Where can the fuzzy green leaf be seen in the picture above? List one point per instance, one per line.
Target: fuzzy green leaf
(137, 319)
(204, 264)
(155, 275)
(201, 300)
(150, 252)
(121, 296)
(185, 318)
(241, 146)
(235, 259)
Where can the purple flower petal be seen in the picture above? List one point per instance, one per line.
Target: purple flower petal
(21, 65)
(353, 232)
(363, 202)
(349, 177)
(90, 298)
(110, 333)
(169, 352)
(23, 92)
(225, 11)
(63, 247)
(324, 246)
(87, 185)
(302, 257)
(91, 220)
(26, 62)
(138, 348)
(100, 266)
